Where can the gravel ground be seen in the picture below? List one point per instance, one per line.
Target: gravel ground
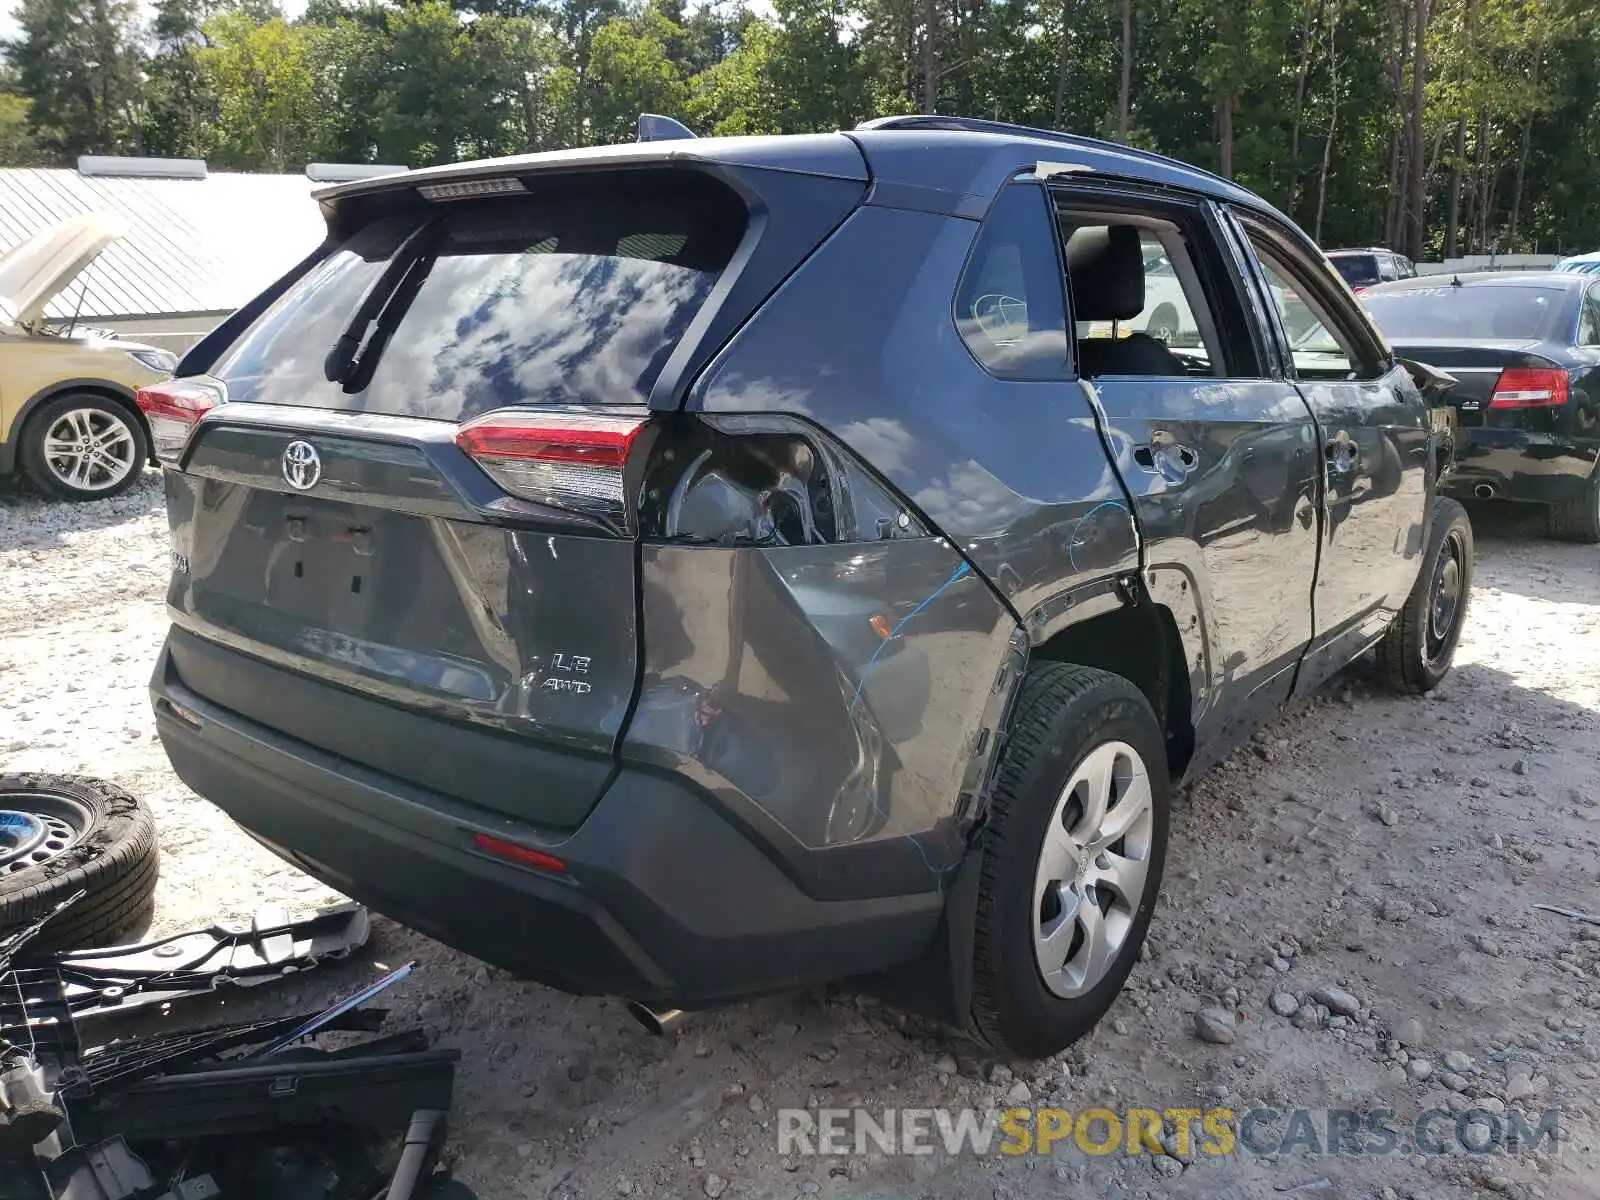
(1346, 924)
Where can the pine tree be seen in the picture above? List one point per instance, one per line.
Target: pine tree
(178, 105)
(78, 62)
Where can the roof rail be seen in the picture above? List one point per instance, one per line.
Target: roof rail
(141, 168)
(979, 125)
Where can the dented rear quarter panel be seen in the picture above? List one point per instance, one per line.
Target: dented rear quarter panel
(1023, 510)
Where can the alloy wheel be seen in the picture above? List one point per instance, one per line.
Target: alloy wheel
(90, 449)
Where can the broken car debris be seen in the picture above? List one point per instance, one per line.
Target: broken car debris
(249, 1109)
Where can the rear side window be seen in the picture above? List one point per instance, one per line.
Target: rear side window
(1009, 306)
(1357, 269)
(575, 295)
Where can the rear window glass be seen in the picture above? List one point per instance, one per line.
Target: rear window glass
(571, 296)
(1498, 311)
(1357, 268)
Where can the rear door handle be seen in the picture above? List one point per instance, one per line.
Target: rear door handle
(1169, 459)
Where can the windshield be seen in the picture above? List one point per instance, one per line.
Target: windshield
(1497, 311)
(1356, 268)
(572, 296)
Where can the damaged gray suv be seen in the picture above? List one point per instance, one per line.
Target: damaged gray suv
(692, 569)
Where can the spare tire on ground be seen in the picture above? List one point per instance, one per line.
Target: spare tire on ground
(62, 834)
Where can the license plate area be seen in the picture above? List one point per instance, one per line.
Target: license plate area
(323, 565)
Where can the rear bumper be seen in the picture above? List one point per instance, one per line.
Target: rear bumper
(1513, 464)
(664, 900)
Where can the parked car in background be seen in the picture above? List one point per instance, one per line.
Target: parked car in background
(1581, 264)
(694, 569)
(1525, 348)
(1364, 268)
(68, 419)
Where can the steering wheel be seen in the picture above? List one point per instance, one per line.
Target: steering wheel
(996, 312)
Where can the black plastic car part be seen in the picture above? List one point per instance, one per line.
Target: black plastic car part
(247, 1109)
(100, 982)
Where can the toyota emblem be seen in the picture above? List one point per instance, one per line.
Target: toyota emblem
(302, 466)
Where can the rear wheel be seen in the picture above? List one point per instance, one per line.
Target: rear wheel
(82, 447)
(1415, 654)
(1073, 851)
(1578, 520)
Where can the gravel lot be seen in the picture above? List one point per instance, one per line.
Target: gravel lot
(1386, 849)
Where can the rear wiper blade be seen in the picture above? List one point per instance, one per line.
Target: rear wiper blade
(336, 368)
(358, 375)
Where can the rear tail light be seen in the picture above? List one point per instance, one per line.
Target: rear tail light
(1530, 387)
(174, 407)
(575, 461)
(728, 480)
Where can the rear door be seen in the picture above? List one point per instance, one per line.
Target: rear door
(407, 535)
(1375, 447)
(1217, 449)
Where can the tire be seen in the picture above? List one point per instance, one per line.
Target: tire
(1578, 520)
(79, 418)
(1415, 654)
(1066, 717)
(111, 855)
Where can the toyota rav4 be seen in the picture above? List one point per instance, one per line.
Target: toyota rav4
(691, 569)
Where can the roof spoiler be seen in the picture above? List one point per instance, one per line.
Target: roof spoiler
(653, 127)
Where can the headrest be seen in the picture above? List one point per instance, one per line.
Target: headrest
(1106, 266)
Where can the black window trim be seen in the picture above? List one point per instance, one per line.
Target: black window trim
(1299, 251)
(1220, 276)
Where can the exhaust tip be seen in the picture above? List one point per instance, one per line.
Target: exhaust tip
(1484, 491)
(660, 1023)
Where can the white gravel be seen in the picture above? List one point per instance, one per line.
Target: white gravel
(1366, 867)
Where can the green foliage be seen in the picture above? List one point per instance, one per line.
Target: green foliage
(18, 146)
(737, 96)
(179, 104)
(630, 72)
(1305, 101)
(260, 74)
(78, 63)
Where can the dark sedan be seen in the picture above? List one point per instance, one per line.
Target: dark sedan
(1526, 351)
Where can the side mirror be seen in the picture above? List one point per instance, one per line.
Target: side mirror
(1433, 383)
(1435, 386)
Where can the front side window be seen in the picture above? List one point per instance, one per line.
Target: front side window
(1320, 340)
(1009, 307)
